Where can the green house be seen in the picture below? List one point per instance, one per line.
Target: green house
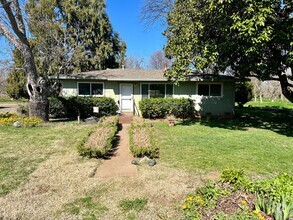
(213, 95)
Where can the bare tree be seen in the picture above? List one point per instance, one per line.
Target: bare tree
(134, 62)
(12, 26)
(3, 82)
(266, 89)
(155, 12)
(158, 60)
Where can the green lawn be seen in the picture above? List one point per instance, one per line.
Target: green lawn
(278, 103)
(23, 149)
(257, 140)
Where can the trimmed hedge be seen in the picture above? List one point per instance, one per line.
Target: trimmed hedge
(162, 107)
(73, 106)
(99, 143)
(142, 141)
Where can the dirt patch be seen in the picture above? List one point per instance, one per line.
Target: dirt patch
(125, 118)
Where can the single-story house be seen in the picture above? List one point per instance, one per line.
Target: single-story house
(213, 95)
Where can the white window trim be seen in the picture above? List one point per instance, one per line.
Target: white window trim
(91, 89)
(209, 83)
(156, 84)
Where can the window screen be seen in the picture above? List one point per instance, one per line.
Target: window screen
(84, 89)
(157, 91)
(97, 89)
(169, 91)
(215, 90)
(144, 91)
(203, 89)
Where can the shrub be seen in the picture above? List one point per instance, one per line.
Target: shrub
(162, 107)
(73, 106)
(142, 141)
(182, 108)
(98, 143)
(243, 93)
(56, 107)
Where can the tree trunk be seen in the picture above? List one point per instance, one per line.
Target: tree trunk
(37, 88)
(39, 109)
(287, 89)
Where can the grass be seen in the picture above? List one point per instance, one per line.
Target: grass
(8, 100)
(87, 206)
(135, 204)
(277, 103)
(257, 140)
(42, 176)
(23, 149)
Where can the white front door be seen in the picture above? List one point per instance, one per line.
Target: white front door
(126, 97)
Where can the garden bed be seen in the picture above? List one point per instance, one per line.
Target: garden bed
(99, 142)
(142, 141)
(238, 197)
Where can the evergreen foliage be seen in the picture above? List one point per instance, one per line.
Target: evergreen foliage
(243, 93)
(253, 38)
(68, 37)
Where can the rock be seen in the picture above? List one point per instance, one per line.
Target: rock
(134, 162)
(16, 124)
(91, 120)
(147, 161)
(152, 162)
(144, 161)
(150, 125)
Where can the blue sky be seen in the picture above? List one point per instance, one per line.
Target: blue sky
(124, 17)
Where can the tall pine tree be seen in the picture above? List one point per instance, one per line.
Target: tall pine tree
(77, 32)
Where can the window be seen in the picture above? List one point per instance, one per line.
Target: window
(209, 89)
(90, 89)
(156, 91)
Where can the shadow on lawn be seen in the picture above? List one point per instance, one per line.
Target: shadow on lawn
(270, 118)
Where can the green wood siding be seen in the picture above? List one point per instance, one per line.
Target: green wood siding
(213, 106)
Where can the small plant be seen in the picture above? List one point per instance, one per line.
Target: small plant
(235, 178)
(7, 119)
(266, 205)
(135, 204)
(281, 210)
(249, 200)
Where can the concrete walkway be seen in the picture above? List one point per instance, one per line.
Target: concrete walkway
(119, 165)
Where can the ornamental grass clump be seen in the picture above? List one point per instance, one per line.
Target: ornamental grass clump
(142, 141)
(99, 142)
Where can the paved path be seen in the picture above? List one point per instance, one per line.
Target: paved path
(120, 164)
